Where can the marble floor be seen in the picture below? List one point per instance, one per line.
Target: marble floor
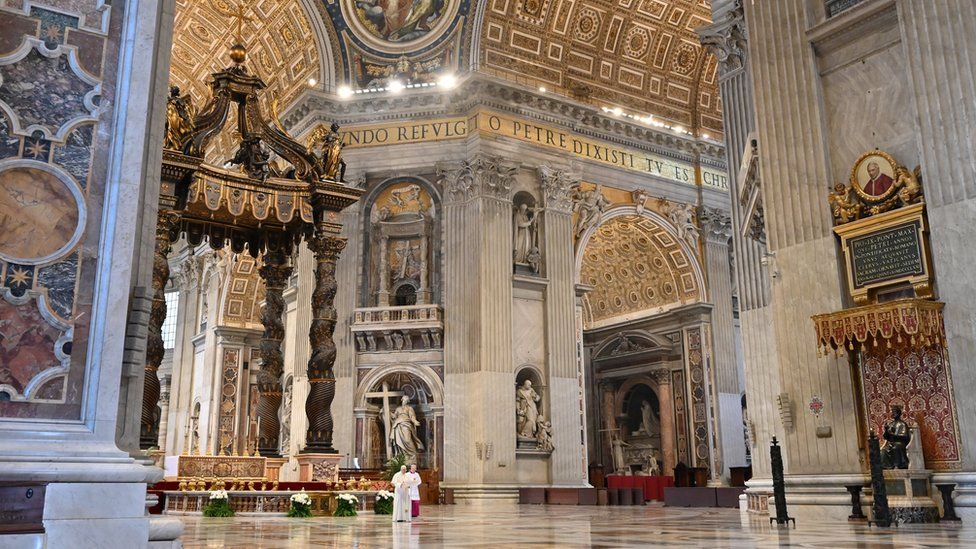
(559, 526)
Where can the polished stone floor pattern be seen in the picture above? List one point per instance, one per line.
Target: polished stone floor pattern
(560, 526)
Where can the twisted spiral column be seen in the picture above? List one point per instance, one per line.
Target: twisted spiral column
(321, 378)
(275, 272)
(149, 425)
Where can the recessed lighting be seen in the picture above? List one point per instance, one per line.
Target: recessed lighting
(678, 129)
(344, 91)
(542, 89)
(395, 86)
(312, 81)
(447, 81)
(705, 135)
(618, 111)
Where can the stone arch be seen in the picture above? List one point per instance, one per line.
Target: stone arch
(376, 375)
(636, 263)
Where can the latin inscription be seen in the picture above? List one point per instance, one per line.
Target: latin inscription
(886, 255)
(454, 128)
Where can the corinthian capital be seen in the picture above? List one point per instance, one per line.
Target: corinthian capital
(727, 39)
(481, 175)
(716, 224)
(557, 186)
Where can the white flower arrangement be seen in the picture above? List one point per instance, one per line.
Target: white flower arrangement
(348, 497)
(301, 498)
(218, 494)
(383, 494)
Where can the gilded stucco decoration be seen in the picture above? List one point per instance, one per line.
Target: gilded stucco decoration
(244, 293)
(282, 47)
(636, 268)
(642, 55)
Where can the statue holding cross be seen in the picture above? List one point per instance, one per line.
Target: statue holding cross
(400, 424)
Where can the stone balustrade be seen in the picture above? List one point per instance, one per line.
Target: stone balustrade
(398, 328)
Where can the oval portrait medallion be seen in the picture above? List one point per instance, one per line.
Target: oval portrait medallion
(399, 26)
(41, 213)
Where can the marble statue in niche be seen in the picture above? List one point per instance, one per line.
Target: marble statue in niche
(404, 431)
(588, 205)
(525, 233)
(649, 420)
(527, 410)
(897, 436)
(525, 225)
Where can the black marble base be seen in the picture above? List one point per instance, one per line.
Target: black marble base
(917, 515)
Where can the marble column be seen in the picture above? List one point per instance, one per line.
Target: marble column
(164, 395)
(939, 51)
(149, 431)
(567, 465)
(326, 247)
(274, 271)
(666, 403)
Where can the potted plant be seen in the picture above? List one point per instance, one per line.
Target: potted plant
(347, 505)
(384, 503)
(301, 505)
(219, 505)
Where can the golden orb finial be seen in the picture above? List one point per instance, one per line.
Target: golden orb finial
(238, 53)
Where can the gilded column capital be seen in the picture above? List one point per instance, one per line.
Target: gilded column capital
(727, 40)
(557, 187)
(481, 175)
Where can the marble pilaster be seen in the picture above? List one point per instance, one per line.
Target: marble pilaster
(560, 324)
(939, 55)
(479, 376)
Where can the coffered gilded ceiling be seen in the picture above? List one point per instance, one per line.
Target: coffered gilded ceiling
(282, 46)
(640, 55)
(636, 268)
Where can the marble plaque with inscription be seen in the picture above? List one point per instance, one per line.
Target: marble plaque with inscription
(886, 255)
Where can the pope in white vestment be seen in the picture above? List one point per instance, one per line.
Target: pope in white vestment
(401, 495)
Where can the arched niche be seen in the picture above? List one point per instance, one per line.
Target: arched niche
(401, 248)
(384, 386)
(532, 374)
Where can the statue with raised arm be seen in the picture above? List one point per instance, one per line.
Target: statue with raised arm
(403, 431)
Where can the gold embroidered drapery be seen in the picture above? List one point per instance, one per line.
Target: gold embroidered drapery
(918, 321)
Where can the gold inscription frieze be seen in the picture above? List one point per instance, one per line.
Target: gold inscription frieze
(528, 131)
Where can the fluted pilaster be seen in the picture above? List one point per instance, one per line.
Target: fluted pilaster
(941, 54)
(560, 322)
(795, 178)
